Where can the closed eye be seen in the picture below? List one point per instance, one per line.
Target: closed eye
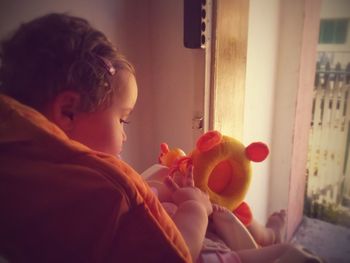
(124, 121)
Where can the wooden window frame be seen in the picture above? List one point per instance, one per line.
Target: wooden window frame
(229, 60)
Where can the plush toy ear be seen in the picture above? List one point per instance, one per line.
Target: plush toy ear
(257, 151)
(164, 148)
(208, 140)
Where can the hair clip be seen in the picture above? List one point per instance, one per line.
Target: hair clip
(107, 65)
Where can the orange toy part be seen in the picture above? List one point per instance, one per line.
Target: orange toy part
(244, 213)
(221, 167)
(223, 172)
(208, 140)
(257, 151)
(168, 157)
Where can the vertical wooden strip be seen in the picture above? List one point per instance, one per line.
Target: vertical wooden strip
(230, 35)
(303, 113)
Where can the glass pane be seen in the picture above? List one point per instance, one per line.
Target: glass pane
(341, 28)
(328, 30)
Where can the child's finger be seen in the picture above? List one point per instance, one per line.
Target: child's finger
(169, 182)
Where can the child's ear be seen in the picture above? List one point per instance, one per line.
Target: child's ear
(64, 109)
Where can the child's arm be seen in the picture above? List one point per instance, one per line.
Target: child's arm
(192, 220)
(191, 217)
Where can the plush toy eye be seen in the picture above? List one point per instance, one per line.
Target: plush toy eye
(257, 151)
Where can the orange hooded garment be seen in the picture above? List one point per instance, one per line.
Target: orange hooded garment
(62, 202)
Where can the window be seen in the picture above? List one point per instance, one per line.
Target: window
(333, 31)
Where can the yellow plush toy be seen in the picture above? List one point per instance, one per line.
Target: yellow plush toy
(221, 167)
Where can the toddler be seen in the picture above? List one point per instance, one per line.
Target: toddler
(66, 94)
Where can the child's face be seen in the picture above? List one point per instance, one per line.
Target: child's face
(103, 130)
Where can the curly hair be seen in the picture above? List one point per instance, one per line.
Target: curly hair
(58, 52)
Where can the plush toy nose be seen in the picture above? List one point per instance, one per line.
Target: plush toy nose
(257, 151)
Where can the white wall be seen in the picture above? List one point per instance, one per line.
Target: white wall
(103, 14)
(177, 76)
(336, 9)
(259, 96)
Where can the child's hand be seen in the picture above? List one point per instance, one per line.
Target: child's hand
(188, 191)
